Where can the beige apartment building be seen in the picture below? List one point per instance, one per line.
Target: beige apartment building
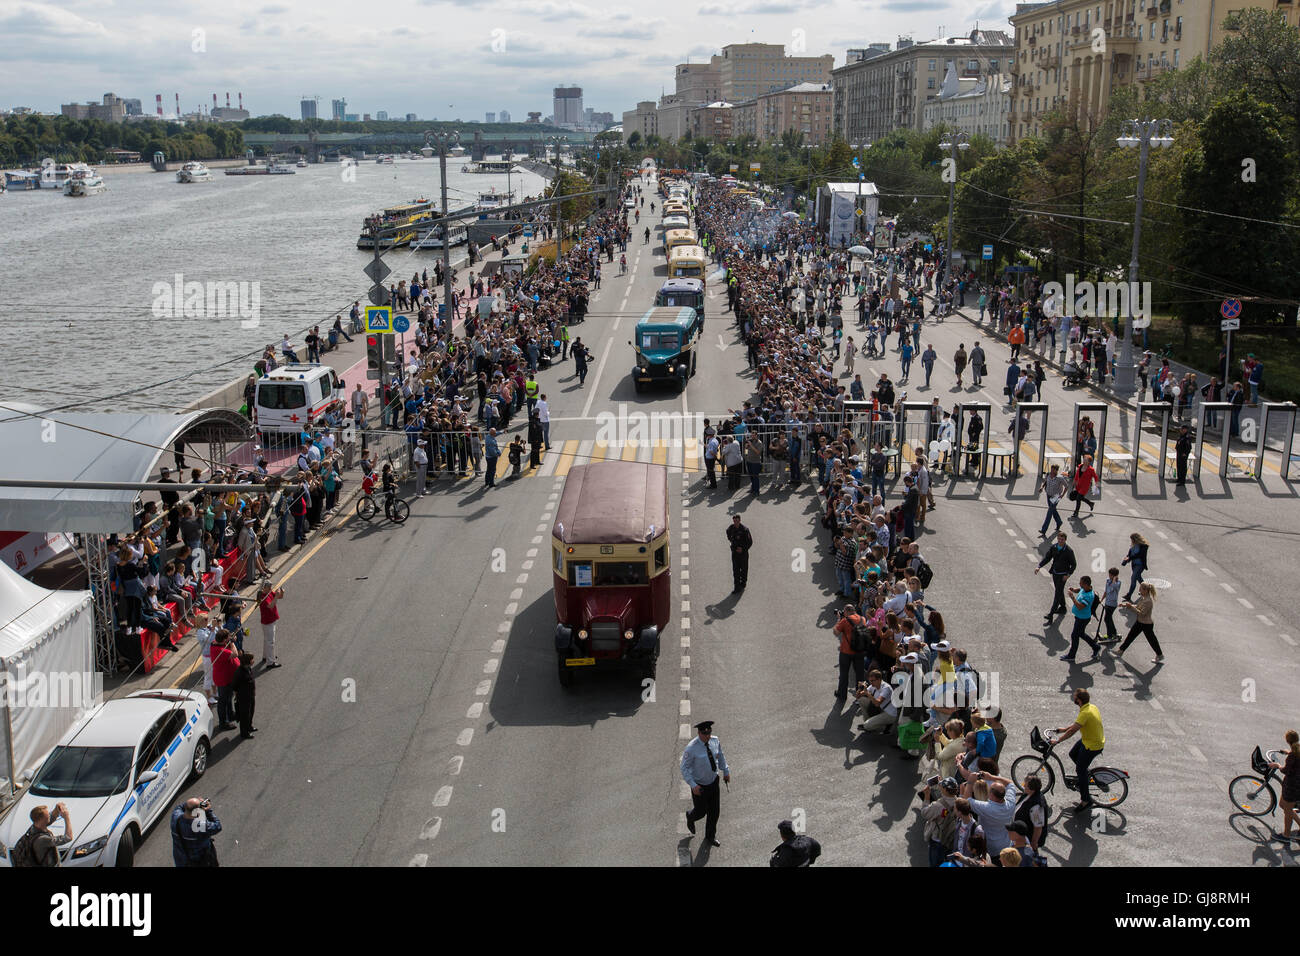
(880, 90)
(1078, 52)
(643, 120)
(712, 121)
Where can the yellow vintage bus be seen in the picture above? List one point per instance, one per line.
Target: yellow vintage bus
(687, 262)
(678, 237)
(677, 208)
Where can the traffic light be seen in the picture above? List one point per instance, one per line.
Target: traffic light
(373, 358)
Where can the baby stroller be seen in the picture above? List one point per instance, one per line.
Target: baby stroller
(1075, 375)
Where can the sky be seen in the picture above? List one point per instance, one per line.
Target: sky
(440, 59)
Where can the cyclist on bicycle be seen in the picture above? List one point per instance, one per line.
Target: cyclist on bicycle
(390, 489)
(1089, 745)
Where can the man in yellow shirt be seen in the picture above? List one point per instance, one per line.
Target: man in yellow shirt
(1089, 745)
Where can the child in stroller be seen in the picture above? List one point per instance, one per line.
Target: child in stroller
(1075, 374)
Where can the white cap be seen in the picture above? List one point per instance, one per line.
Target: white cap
(909, 659)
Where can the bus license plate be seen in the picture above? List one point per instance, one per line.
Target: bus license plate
(580, 662)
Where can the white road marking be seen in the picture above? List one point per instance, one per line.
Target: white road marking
(1021, 543)
(531, 553)
(586, 409)
(686, 589)
(1174, 728)
(1175, 545)
(1288, 638)
(1227, 587)
(537, 540)
(483, 687)
(1191, 557)
(1010, 531)
(686, 606)
(516, 594)
(454, 765)
(685, 547)
(1207, 571)
(1002, 521)
(684, 732)
(1263, 619)
(1196, 752)
(541, 528)
(490, 665)
(498, 647)
(1162, 536)
(1246, 604)
(686, 685)
(685, 524)
(1134, 512)
(442, 797)
(686, 661)
(684, 710)
(503, 627)
(685, 624)
(422, 859)
(465, 736)
(1155, 704)
(527, 566)
(511, 609)
(431, 828)
(686, 536)
(686, 575)
(686, 641)
(992, 510)
(475, 711)
(1149, 524)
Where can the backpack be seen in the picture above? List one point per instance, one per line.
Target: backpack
(924, 573)
(860, 638)
(20, 854)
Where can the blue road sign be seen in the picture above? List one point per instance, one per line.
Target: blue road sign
(401, 324)
(379, 319)
(988, 252)
(1230, 309)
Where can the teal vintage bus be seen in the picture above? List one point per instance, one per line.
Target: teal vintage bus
(665, 345)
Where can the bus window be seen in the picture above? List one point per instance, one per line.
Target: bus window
(559, 560)
(661, 557)
(620, 573)
(580, 574)
(658, 340)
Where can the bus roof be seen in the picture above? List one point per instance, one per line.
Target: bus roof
(690, 252)
(682, 285)
(679, 316)
(613, 502)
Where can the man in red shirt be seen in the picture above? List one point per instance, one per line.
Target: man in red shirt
(225, 662)
(849, 657)
(1085, 476)
(266, 601)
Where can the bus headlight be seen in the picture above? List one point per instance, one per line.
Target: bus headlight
(627, 635)
(582, 634)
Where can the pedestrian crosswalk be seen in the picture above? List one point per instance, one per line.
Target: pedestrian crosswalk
(684, 455)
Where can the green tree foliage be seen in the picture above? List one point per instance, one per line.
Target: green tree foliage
(26, 140)
(1243, 170)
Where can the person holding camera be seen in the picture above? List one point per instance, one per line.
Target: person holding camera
(851, 629)
(38, 846)
(193, 826)
(940, 816)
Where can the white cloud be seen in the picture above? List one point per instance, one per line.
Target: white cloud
(43, 20)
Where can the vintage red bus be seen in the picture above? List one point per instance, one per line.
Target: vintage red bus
(611, 567)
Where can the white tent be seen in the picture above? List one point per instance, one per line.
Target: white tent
(47, 668)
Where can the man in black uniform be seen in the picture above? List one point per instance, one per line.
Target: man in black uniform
(172, 502)
(1182, 450)
(1063, 565)
(795, 849)
(741, 541)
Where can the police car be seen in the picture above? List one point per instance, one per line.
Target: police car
(117, 770)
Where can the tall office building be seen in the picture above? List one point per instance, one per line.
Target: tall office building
(504, 116)
(338, 109)
(568, 105)
(381, 115)
(308, 108)
(491, 117)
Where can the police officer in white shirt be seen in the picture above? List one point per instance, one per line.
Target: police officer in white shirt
(702, 761)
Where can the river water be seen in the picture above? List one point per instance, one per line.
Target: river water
(82, 279)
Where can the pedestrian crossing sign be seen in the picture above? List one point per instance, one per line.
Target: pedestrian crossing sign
(379, 318)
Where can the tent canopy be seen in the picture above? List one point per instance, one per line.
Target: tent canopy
(92, 446)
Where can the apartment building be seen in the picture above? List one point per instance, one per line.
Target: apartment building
(1075, 52)
(974, 105)
(711, 121)
(747, 70)
(643, 120)
(880, 90)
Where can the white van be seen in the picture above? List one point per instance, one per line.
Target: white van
(294, 397)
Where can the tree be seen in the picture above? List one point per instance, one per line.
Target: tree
(1260, 54)
(634, 140)
(1229, 205)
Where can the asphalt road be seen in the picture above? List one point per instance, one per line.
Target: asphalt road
(418, 719)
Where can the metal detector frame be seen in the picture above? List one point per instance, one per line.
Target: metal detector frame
(1289, 409)
(1099, 457)
(1030, 408)
(960, 445)
(1225, 438)
(1166, 412)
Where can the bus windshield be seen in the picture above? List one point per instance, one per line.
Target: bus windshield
(658, 340)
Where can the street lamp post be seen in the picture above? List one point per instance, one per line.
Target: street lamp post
(958, 141)
(1140, 134)
(444, 139)
(557, 142)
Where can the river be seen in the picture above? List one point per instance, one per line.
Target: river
(83, 280)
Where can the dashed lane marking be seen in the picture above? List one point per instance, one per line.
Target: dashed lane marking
(464, 737)
(442, 797)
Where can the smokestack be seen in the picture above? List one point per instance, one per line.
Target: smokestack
(227, 101)
(241, 101)
(178, 106)
(158, 97)
(214, 101)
